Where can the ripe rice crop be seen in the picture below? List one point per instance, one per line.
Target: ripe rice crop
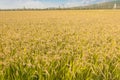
(60, 45)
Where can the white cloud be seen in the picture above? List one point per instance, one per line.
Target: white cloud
(33, 4)
(9, 4)
(20, 4)
(71, 3)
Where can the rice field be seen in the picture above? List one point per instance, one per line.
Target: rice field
(60, 45)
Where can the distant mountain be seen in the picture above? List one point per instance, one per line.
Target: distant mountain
(98, 4)
(103, 5)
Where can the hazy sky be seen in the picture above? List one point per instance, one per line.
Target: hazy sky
(9, 4)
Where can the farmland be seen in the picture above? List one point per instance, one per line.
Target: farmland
(60, 45)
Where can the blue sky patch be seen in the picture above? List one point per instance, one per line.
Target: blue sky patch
(12, 4)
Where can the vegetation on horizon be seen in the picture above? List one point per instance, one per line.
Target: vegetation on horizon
(108, 4)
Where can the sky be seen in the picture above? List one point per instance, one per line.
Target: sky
(13, 4)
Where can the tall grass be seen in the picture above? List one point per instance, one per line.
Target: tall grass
(60, 45)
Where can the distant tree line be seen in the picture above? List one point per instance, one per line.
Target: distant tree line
(105, 5)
